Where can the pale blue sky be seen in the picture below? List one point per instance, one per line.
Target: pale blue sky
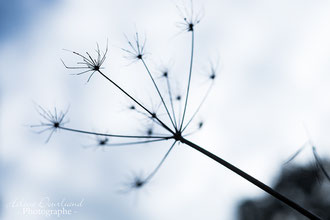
(274, 78)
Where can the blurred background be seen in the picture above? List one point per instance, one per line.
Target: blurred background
(272, 86)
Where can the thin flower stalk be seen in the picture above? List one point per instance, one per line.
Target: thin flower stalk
(159, 93)
(169, 90)
(189, 78)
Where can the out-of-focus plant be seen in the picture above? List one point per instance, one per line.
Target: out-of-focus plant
(307, 184)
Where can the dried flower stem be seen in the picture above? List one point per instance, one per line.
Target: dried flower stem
(136, 52)
(199, 107)
(160, 95)
(138, 103)
(189, 78)
(160, 163)
(253, 180)
(171, 100)
(112, 135)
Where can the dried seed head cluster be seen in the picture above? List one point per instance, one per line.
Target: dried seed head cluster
(175, 108)
(88, 63)
(135, 182)
(50, 121)
(136, 49)
(138, 182)
(189, 17)
(171, 120)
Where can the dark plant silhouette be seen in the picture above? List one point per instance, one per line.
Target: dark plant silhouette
(318, 162)
(307, 184)
(174, 123)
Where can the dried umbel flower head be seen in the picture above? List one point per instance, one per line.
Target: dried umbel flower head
(134, 183)
(100, 142)
(50, 121)
(89, 64)
(174, 124)
(190, 18)
(176, 127)
(136, 48)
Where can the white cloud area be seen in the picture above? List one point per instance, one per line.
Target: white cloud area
(274, 79)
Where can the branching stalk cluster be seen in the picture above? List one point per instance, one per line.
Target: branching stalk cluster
(176, 123)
